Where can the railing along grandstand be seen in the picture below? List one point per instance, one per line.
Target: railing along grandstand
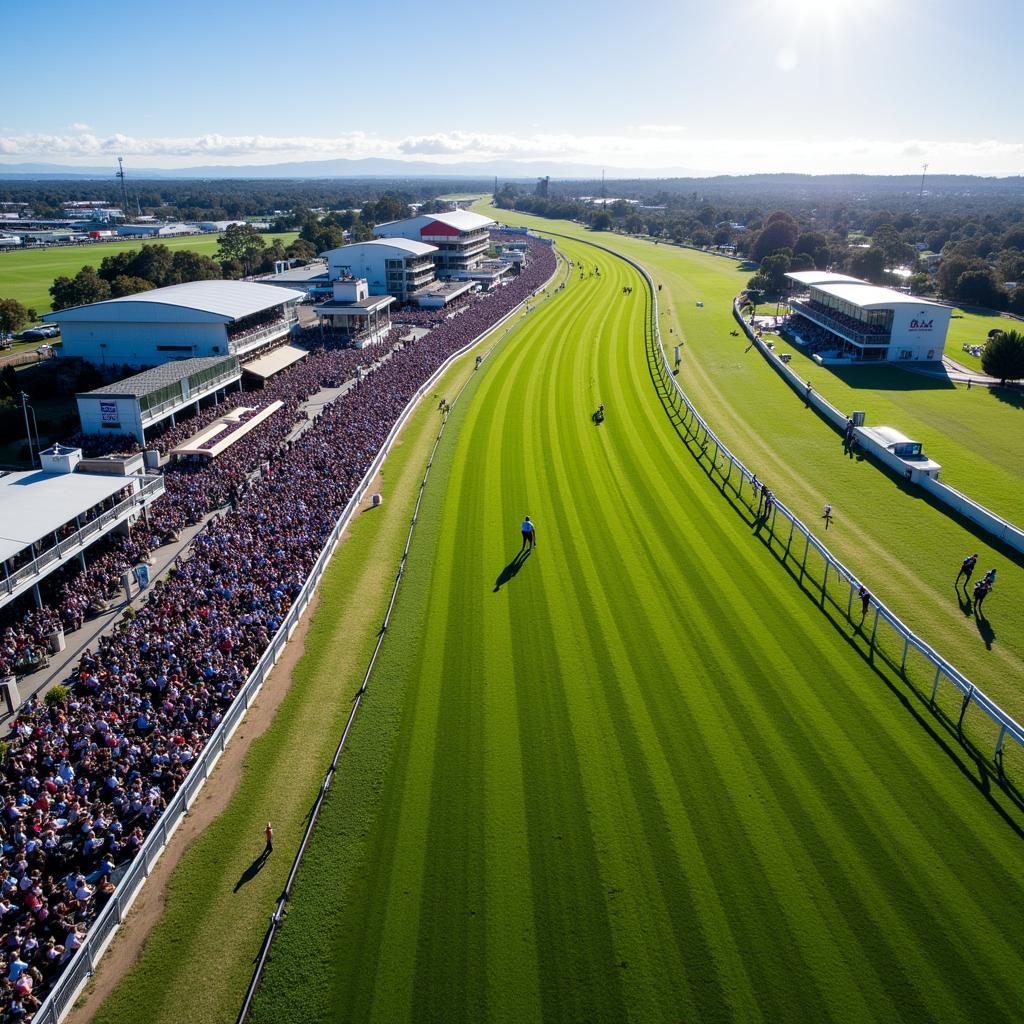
(68, 986)
(889, 637)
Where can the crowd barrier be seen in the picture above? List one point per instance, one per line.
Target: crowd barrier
(888, 637)
(1001, 529)
(74, 978)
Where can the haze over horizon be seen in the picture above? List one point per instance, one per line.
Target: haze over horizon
(751, 86)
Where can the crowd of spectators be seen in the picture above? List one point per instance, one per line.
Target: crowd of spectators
(84, 782)
(849, 322)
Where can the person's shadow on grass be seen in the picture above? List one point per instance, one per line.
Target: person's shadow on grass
(510, 570)
(964, 601)
(253, 869)
(985, 630)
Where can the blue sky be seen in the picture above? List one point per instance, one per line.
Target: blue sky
(724, 86)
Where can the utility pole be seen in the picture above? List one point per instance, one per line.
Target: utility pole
(604, 194)
(124, 187)
(28, 431)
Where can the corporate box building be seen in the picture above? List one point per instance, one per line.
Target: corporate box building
(844, 319)
(196, 320)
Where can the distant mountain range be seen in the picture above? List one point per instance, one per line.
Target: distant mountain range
(371, 167)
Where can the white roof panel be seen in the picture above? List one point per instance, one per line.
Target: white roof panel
(33, 504)
(462, 220)
(871, 296)
(225, 300)
(406, 245)
(809, 277)
(275, 360)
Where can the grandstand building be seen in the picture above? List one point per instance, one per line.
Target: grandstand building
(134, 405)
(399, 267)
(354, 315)
(51, 516)
(460, 240)
(838, 318)
(199, 319)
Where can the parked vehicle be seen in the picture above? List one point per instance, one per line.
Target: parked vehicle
(40, 333)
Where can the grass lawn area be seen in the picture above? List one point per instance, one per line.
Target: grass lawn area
(906, 548)
(27, 276)
(966, 328)
(637, 776)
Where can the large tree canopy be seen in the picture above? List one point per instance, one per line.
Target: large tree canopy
(1003, 356)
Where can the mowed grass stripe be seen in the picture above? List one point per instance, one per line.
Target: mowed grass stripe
(671, 789)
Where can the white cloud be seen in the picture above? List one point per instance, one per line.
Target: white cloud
(647, 149)
(77, 126)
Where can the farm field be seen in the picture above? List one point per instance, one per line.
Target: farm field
(27, 276)
(637, 774)
(906, 548)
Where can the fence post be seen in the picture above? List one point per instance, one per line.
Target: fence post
(963, 708)
(849, 604)
(935, 685)
(807, 548)
(906, 649)
(874, 628)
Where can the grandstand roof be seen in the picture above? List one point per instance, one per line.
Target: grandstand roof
(223, 301)
(462, 220)
(870, 296)
(817, 277)
(406, 245)
(141, 384)
(34, 504)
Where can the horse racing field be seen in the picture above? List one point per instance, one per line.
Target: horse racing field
(637, 775)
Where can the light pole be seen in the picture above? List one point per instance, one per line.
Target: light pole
(28, 433)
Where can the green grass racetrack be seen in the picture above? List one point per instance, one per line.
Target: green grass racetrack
(643, 778)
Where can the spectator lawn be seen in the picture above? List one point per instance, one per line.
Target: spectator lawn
(26, 275)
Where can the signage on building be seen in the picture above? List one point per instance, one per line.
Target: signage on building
(921, 325)
(108, 412)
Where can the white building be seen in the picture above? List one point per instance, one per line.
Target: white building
(50, 516)
(460, 240)
(133, 405)
(850, 320)
(202, 318)
(355, 315)
(393, 266)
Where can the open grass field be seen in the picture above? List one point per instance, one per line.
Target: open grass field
(972, 329)
(907, 549)
(27, 276)
(636, 775)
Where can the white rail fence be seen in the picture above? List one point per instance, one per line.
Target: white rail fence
(811, 562)
(68, 986)
(1000, 528)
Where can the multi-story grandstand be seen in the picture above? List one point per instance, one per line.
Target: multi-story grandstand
(842, 318)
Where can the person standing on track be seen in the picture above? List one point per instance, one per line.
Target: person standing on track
(269, 833)
(529, 534)
(966, 569)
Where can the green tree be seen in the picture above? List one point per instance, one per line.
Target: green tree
(13, 316)
(300, 249)
(153, 263)
(187, 265)
(85, 287)
(241, 243)
(979, 288)
(1015, 303)
(868, 264)
(1003, 356)
(602, 221)
(779, 232)
(126, 285)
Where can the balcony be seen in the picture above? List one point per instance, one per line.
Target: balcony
(52, 558)
(163, 409)
(246, 341)
(862, 339)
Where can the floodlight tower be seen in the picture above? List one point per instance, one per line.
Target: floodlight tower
(124, 188)
(924, 171)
